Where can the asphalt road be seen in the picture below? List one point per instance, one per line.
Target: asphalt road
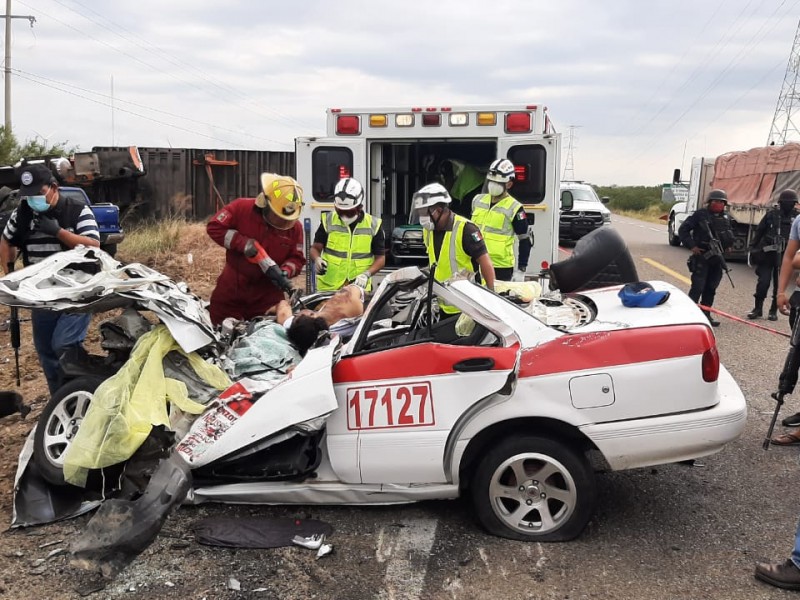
(673, 532)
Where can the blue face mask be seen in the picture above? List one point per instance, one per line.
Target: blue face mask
(38, 203)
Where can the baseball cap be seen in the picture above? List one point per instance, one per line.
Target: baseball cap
(642, 295)
(32, 178)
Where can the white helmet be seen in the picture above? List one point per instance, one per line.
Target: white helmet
(348, 194)
(501, 171)
(431, 194)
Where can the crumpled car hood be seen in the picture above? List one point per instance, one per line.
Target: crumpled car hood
(87, 279)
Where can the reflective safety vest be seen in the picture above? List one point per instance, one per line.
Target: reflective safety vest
(496, 223)
(348, 253)
(452, 257)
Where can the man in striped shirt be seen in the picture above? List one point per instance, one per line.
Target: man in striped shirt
(42, 225)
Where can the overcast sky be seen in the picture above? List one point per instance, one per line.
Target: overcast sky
(647, 83)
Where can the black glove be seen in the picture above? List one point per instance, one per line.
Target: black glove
(278, 277)
(48, 225)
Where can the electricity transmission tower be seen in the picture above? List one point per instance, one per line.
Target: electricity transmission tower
(783, 127)
(569, 167)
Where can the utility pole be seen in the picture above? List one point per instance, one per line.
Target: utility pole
(783, 127)
(569, 169)
(8, 16)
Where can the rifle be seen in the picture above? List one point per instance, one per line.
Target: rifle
(13, 324)
(787, 379)
(715, 249)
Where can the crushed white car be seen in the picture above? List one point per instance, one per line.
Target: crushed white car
(510, 413)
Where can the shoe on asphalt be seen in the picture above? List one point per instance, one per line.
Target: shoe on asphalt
(783, 575)
(793, 421)
(756, 313)
(713, 321)
(773, 316)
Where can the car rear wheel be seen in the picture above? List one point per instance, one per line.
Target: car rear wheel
(58, 424)
(534, 488)
(674, 240)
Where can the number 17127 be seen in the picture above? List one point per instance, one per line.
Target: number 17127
(381, 407)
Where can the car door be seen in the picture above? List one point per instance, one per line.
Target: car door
(404, 401)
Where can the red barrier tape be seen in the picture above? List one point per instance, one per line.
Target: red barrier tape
(738, 320)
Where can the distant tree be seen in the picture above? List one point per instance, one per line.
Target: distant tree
(631, 197)
(11, 151)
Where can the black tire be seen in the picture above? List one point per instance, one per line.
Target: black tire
(568, 485)
(68, 404)
(672, 237)
(601, 258)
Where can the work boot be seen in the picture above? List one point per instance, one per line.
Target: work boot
(773, 310)
(712, 321)
(758, 310)
(783, 575)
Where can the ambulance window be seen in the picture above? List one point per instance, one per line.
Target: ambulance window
(531, 161)
(329, 165)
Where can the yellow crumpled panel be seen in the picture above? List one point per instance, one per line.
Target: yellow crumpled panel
(127, 405)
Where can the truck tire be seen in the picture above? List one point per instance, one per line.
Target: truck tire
(672, 237)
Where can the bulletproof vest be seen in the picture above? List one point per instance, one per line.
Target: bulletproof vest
(780, 226)
(721, 228)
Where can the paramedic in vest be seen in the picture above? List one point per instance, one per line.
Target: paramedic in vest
(695, 233)
(502, 220)
(263, 239)
(349, 245)
(768, 244)
(44, 224)
(454, 243)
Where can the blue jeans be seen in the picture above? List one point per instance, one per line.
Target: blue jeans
(796, 550)
(53, 333)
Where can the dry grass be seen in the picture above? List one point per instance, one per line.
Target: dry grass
(652, 214)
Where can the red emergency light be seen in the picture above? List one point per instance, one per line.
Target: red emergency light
(545, 265)
(344, 172)
(431, 120)
(518, 122)
(521, 173)
(348, 125)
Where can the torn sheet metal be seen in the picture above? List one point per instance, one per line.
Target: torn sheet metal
(36, 502)
(304, 395)
(122, 529)
(89, 280)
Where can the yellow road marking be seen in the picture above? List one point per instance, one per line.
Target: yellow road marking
(668, 271)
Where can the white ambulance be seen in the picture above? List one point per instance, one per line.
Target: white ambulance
(395, 151)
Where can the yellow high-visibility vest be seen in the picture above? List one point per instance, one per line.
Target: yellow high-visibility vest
(348, 252)
(452, 257)
(496, 223)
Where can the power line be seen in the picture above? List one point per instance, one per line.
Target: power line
(114, 99)
(166, 124)
(150, 48)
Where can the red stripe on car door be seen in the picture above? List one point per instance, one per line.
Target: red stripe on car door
(418, 360)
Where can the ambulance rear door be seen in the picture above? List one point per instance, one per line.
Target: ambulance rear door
(537, 159)
(321, 163)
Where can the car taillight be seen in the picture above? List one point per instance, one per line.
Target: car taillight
(348, 125)
(710, 366)
(518, 122)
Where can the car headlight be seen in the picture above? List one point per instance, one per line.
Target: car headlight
(606, 217)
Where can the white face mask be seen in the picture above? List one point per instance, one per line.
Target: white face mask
(495, 189)
(349, 220)
(426, 222)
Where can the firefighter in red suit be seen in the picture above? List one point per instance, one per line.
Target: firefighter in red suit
(264, 243)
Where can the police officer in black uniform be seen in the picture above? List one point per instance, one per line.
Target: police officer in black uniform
(766, 251)
(696, 233)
